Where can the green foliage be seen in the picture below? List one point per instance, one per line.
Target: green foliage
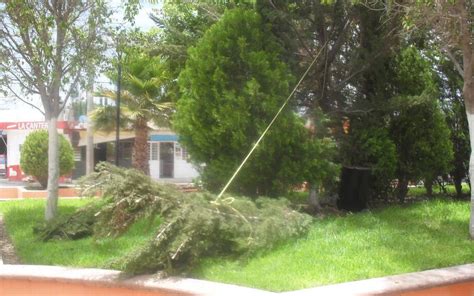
(142, 102)
(128, 196)
(72, 226)
(182, 23)
(423, 139)
(141, 97)
(452, 102)
(433, 235)
(418, 126)
(413, 73)
(375, 150)
(394, 240)
(201, 228)
(34, 160)
(20, 216)
(232, 86)
(194, 226)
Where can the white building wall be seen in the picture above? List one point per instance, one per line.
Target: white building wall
(15, 139)
(183, 170)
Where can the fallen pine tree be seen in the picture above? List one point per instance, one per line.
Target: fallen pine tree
(194, 225)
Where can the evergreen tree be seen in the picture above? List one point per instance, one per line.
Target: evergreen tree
(232, 86)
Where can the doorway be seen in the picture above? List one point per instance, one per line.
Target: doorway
(166, 159)
(3, 155)
(154, 159)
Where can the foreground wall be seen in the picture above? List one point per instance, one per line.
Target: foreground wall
(55, 280)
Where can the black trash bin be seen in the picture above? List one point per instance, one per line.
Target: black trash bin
(354, 188)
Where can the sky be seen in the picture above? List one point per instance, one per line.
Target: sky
(15, 110)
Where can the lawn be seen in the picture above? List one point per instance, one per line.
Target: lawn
(20, 216)
(450, 189)
(394, 240)
(391, 241)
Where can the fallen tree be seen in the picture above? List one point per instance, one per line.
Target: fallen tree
(193, 226)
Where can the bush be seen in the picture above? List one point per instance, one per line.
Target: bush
(422, 137)
(34, 156)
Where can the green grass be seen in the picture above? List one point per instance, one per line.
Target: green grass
(451, 190)
(20, 216)
(372, 244)
(394, 240)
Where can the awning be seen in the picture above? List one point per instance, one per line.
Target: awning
(100, 137)
(164, 138)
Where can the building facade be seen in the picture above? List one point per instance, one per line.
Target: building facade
(13, 135)
(169, 162)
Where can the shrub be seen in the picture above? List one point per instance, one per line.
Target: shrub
(34, 156)
(422, 137)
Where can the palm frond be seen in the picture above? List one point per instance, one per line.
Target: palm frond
(104, 118)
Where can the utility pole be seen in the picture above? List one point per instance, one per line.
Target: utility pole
(117, 119)
(89, 108)
(90, 132)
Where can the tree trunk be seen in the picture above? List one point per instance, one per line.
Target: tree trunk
(457, 180)
(468, 91)
(429, 187)
(140, 147)
(53, 169)
(43, 180)
(402, 189)
(90, 133)
(470, 119)
(313, 198)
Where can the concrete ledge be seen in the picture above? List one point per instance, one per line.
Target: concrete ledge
(395, 284)
(41, 280)
(92, 278)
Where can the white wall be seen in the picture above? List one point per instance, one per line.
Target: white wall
(15, 138)
(183, 170)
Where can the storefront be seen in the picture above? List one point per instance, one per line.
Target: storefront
(168, 161)
(13, 137)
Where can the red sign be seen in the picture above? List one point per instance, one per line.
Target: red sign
(30, 125)
(14, 173)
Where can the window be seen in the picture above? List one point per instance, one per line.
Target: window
(180, 152)
(77, 154)
(154, 151)
(177, 150)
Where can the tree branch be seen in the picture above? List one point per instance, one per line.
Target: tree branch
(22, 84)
(69, 92)
(453, 59)
(23, 100)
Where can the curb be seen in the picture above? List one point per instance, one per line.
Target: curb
(112, 279)
(396, 283)
(184, 286)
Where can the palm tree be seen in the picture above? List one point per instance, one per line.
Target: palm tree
(142, 103)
